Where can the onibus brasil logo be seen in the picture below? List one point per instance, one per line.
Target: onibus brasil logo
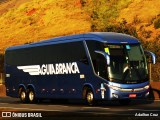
(50, 69)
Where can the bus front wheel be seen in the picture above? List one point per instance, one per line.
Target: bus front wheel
(90, 97)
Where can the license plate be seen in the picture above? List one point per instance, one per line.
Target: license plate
(132, 95)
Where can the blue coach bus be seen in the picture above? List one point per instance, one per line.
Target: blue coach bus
(92, 66)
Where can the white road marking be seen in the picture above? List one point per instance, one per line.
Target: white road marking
(134, 109)
(104, 113)
(4, 103)
(151, 110)
(143, 110)
(95, 108)
(29, 109)
(58, 106)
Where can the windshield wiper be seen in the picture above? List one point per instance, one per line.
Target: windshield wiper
(138, 74)
(125, 74)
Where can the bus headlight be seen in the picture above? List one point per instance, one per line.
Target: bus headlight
(114, 87)
(146, 87)
(147, 94)
(114, 95)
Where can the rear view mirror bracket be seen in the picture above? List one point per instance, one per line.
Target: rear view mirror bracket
(152, 55)
(107, 57)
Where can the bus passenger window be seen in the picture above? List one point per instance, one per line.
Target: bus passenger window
(101, 66)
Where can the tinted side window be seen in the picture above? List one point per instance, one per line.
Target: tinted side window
(66, 52)
(19, 57)
(38, 55)
(92, 46)
(8, 57)
(97, 60)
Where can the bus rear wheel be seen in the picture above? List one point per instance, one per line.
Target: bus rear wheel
(31, 95)
(23, 95)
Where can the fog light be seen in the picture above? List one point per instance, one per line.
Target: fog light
(147, 94)
(114, 95)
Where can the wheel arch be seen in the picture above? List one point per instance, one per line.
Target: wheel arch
(85, 88)
(22, 93)
(22, 86)
(19, 88)
(31, 86)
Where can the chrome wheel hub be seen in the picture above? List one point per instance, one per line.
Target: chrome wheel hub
(23, 95)
(89, 97)
(31, 96)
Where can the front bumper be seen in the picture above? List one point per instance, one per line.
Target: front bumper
(117, 94)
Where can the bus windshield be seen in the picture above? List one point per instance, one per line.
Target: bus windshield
(127, 64)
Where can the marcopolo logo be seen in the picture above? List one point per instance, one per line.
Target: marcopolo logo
(50, 69)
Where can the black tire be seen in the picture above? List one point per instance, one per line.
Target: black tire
(90, 97)
(125, 102)
(23, 95)
(31, 96)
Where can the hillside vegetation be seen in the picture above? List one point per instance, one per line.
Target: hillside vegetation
(25, 21)
(144, 15)
(33, 20)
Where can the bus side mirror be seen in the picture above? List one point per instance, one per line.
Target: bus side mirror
(151, 56)
(106, 55)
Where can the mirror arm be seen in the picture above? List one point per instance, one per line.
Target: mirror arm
(152, 55)
(105, 55)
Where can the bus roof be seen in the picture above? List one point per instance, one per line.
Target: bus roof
(105, 37)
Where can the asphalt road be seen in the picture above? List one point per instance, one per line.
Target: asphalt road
(79, 110)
